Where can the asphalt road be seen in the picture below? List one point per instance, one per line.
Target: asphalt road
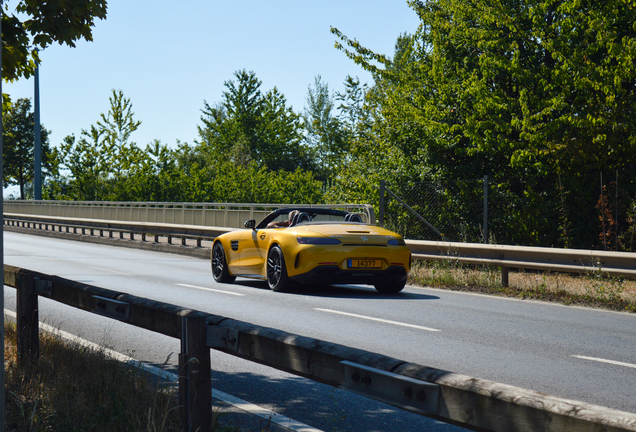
(572, 352)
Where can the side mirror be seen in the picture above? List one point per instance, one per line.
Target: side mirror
(250, 224)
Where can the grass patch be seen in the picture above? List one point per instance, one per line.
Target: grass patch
(75, 388)
(593, 289)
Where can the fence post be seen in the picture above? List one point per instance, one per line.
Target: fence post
(381, 204)
(27, 320)
(195, 393)
(486, 209)
(603, 215)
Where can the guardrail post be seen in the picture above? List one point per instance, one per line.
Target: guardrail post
(504, 276)
(27, 320)
(195, 395)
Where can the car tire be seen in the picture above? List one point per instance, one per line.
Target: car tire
(220, 271)
(390, 287)
(277, 278)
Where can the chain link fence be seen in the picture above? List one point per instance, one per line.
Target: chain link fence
(448, 211)
(597, 211)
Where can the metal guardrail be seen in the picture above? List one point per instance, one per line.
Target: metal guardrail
(501, 256)
(108, 228)
(231, 215)
(469, 402)
(525, 257)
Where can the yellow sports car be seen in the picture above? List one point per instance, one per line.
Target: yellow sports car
(312, 246)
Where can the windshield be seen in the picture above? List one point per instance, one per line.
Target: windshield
(317, 215)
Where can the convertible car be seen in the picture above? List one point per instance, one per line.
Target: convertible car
(312, 246)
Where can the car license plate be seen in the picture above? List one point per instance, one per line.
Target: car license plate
(364, 263)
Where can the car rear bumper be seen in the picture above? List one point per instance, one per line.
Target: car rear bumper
(332, 274)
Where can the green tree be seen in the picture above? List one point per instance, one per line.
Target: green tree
(544, 83)
(105, 164)
(325, 134)
(379, 151)
(253, 125)
(18, 139)
(36, 24)
(103, 158)
(118, 153)
(156, 176)
(521, 91)
(353, 113)
(81, 159)
(258, 185)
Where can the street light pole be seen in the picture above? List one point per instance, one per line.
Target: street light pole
(2, 378)
(37, 152)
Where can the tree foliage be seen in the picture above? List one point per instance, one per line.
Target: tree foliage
(325, 133)
(30, 26)
(353, 114)
(540, 83)
(39, 24)
(18, 141)
(105, 164)
(103, 156)
(522, 91)
(254, 126)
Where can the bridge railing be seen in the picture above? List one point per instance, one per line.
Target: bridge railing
(466, 401)
(229, 215)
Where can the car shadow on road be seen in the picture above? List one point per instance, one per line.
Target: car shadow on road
(358, 291)
(340, 291)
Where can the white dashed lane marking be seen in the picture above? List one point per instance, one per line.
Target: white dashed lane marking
(111, 271)
(378, 320)
(211, 289)
(600, 360)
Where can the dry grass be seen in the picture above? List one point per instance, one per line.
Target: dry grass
(592, 289)
(73, 388)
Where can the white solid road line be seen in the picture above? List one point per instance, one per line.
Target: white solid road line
(169, 376)
(211, 289)
(264, 413)
(614, 362)
(378, 320)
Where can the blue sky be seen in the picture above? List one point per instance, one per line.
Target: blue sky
(168, 57)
